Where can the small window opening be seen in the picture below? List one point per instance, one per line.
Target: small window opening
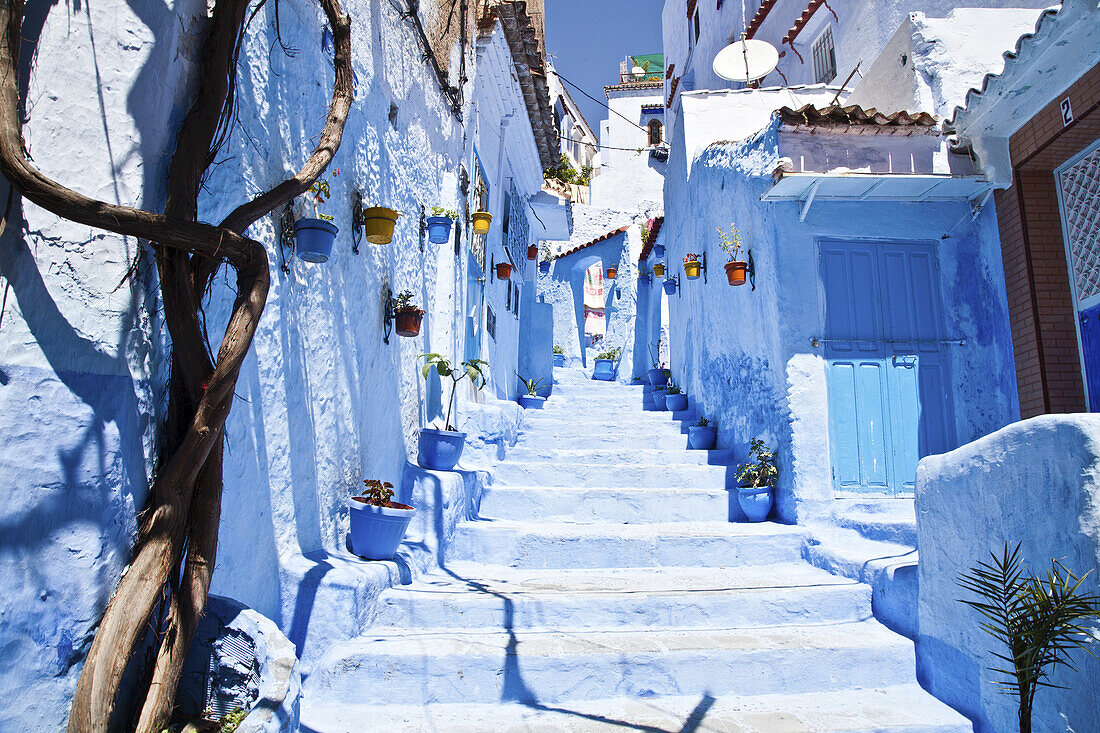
(654, 132)
(824, 57)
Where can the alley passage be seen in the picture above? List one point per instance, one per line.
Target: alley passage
(604, 589)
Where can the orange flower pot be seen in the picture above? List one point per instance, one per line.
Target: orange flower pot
(735, 272)
(611, 272)
(504, 271)
(408, 321)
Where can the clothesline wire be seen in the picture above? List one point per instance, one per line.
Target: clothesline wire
(598, 101)
(603, 147)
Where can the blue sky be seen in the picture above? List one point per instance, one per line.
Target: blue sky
(588, 39)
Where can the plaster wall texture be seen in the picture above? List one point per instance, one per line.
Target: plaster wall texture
(629, 179)
(81, 378)
(929, 63)
(745, 358)
(323, 402)
(1037, 483)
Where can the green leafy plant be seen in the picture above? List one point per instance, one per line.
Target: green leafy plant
(761, 472)
(441, 211)
(377, 492)
(544, 253)
(611, 354)
(703, 423)
(472, 369)
(584, 178)
(647, 231)
(403, 301)
(232, 720)
(673, 389)
(532, 385)
(730, 243)
(558, 349)
(565, 172)
(1039, 621)
(321, 193)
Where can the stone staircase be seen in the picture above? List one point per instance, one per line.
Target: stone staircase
(605, 589)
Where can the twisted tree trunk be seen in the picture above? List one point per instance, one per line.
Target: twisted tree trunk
(185, 499)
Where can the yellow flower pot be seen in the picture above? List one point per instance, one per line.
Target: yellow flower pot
(378, 222)
(481, 221)
(659, 270)
(693, 269)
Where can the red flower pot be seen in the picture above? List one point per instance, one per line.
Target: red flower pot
(735, 272)
(408, 321)
(533, 252)
(504, 271)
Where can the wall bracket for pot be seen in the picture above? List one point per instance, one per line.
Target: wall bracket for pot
(703, 262)
(286, 237)
(423, 227)
(751, 271)
(388, 314)
(358, 221)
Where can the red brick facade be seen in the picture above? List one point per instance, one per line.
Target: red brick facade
(1040, 303)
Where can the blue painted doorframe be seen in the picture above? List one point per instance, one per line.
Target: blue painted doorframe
(888, 389)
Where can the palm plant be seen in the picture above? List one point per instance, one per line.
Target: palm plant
(532, 385)
(1039, 620)
(471, 368)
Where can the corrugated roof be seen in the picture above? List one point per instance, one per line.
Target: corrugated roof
(835, 116)
(597, 240)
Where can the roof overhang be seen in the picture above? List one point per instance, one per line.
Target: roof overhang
(806, 188)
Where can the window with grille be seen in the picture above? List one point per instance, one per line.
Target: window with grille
(654, 132)
(824, 57)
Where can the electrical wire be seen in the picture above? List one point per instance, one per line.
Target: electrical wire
(605, 147)
(598, 101)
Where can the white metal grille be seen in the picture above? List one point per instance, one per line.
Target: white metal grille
(1080, 184)
(824, 57)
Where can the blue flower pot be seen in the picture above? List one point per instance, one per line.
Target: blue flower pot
(657, 377)
(559, 359)
(440, 449)
(439, 229)
(531, 402)
(755, 503)
(603, 370)
(676, 402)
(658, 251)
(377, 531)
(544, 267)
(670, 287)
(658, 398)
(702, 438)
(313, 239)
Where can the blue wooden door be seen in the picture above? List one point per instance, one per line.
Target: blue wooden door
(1090, 352)
(888, 396)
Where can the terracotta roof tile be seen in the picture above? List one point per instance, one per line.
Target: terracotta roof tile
(657, 224)
(853, 116)
(597, 240)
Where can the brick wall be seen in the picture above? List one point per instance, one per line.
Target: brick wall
(1044, 332)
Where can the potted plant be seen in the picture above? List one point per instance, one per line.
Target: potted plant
(670, 287)
(658, 250)
(611, 272)
(675, 399)
(441, 449)
(504, 271)
(531, 400)
(544, 258)
(659, 269)
(731, 245)
(604, 366)
(755, 482)
(692, 266)
(481, 221)
(533, 252)
(407, 316)
(378, 524)
(313, 237)
(559, 356)
(658, 375)
(378, 222)
(440, 223)
(657, 397)
(702, 435)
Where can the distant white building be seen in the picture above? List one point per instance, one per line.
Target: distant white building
(577, 142)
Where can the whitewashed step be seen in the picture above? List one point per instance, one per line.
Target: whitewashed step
(477, 596)
(603, 545)
(897, 709)
(408, 666)
(886, 520)
(637, 475)
(621, 505)
(601, 440)
(660, 422)
(535, 452)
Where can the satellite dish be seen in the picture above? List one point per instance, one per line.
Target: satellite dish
(746, 60)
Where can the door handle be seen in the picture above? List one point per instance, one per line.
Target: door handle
(905, 361)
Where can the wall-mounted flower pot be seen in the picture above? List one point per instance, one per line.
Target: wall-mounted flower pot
(693, 268)
(603, 369)
(377, 531)
(658, 251)
(702, 438)
(439, 229)
(658, 398)
(670, 287)
(313, 239)
(657, 377)
(533, 252)
(559, 360)
(659, 270)
(735, 272)
(755, 503)
(676, 402)
(378, 224)
(407, 321)
(611, 273)
(504, 271)
(531, 402)
(440, 449)
(544, 266)
(481, 221)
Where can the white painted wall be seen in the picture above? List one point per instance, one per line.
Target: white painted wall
(630, 179)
